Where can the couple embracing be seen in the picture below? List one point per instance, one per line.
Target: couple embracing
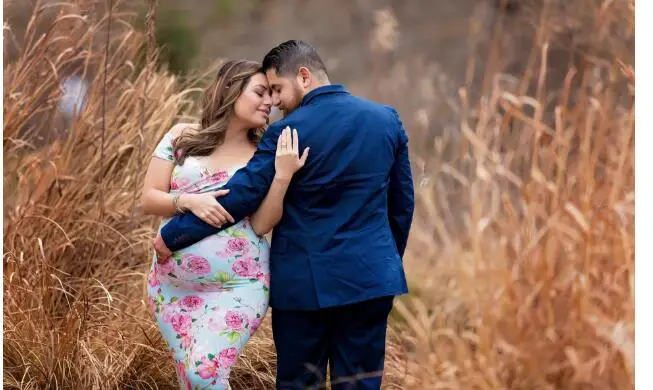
(339, 212)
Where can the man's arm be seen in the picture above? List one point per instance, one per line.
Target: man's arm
(401, 195)
(248, 187)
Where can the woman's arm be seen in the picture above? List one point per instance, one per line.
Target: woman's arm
(287, 162)
(156, 199)
(271, 210)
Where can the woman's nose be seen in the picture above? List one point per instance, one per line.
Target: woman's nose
(275, 99)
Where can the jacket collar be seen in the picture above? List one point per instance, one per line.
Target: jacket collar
(321, 91)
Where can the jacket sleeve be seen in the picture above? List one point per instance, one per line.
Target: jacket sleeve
(401, 196)
(248, 188)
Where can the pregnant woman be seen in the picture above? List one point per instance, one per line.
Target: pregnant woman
(209, 298)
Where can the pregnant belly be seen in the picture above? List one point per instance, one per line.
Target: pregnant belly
(225, 260)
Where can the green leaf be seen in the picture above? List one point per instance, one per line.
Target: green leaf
(177, 258)
(211, 356)
(223, 277)
(174, 299)
(233, 337)
(239, 234)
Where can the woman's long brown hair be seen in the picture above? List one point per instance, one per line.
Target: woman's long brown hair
(217, 109)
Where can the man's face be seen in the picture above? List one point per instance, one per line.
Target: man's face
(286, 91)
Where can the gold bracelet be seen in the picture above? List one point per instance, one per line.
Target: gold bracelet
(175, 203)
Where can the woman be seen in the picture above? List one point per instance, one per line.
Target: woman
(209, 298)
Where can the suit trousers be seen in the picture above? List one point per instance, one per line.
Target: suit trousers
(350, 339)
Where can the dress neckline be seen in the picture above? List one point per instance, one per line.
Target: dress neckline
(210, 171)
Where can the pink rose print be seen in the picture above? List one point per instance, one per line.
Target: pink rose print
(208, 368)
(235, 320)
(227, 357)
(167, 312)
(151, 303)
(181, 323)
(196, 264)
(254, 323)
(246, 267)
(219, 176)
(238, 245)
(181, 373)
(167, 267)
(179, 182)
(265, 278)
(153, 280)
(186, 341)
(191, 302)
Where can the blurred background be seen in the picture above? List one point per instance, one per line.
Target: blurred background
(521, 121)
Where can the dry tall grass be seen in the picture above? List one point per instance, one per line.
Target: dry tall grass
(532, 290)
(531, 285)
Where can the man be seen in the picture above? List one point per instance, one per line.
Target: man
(336, 253)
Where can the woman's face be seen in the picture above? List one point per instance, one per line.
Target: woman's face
(254, 104)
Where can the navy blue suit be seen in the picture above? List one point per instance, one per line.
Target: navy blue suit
(347, 212)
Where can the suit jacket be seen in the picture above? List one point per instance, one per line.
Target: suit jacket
(347, 212)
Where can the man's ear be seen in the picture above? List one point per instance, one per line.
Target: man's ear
(304, 77)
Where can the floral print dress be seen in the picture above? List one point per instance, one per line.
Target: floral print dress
(208, 299)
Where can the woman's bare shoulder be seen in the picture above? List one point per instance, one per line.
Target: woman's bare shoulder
(184, 128)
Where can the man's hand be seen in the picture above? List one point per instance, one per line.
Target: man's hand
(162, 251)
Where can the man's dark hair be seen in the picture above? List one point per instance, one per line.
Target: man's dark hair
(288, 57)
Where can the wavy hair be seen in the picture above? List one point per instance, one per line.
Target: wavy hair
(218, 102)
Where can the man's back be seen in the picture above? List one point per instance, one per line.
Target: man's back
(346, 214)
(334, 244)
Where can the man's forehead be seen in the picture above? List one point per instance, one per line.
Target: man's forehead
(273, 77)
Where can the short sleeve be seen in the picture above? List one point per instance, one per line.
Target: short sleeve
(164, 149)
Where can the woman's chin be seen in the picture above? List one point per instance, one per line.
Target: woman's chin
(260, 121)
